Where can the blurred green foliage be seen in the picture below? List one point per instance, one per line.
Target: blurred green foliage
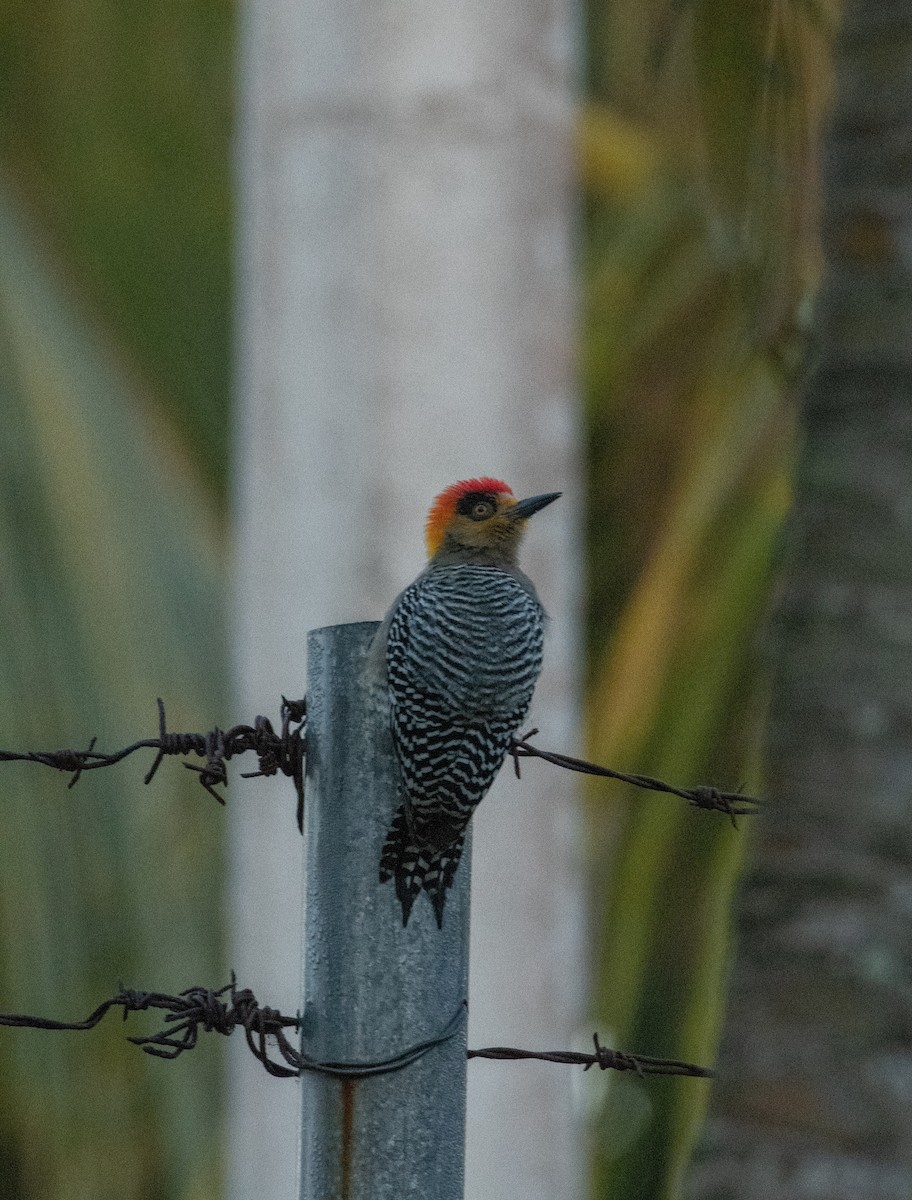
(114, 126)
(699, 152)
(114, 136)
(111, 594)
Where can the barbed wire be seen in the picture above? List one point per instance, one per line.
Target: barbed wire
(283, 753)
(734, 804)
(222, 1010)
(203, 1010)
(276, 752)
(604, 1058)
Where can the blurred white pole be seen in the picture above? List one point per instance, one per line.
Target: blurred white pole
(406, 318)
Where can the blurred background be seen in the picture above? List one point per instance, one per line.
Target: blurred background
(697, 257)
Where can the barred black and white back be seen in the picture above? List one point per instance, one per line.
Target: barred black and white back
(463, 651)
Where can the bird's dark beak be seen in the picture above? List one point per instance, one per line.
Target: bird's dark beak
(525, 508)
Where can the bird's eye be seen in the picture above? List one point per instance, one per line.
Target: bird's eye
(477, 506)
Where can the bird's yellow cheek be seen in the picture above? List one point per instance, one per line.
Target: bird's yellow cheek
(492, 532)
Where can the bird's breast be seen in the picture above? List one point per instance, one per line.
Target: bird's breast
(470, 636)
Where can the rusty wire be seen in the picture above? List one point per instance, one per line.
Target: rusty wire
(224, 1009)
(276, 752)
(283, 753)
(204, 1010)
(733, 804)
(604, 1058)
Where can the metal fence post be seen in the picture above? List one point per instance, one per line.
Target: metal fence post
(372, 988)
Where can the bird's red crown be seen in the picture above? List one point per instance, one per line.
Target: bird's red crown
(444, 507)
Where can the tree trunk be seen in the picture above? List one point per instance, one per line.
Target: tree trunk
(815, 1074)
(406, 320)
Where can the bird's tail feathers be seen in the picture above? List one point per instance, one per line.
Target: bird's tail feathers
(416, 865)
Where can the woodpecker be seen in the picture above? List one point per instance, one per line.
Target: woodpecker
(460, 651)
